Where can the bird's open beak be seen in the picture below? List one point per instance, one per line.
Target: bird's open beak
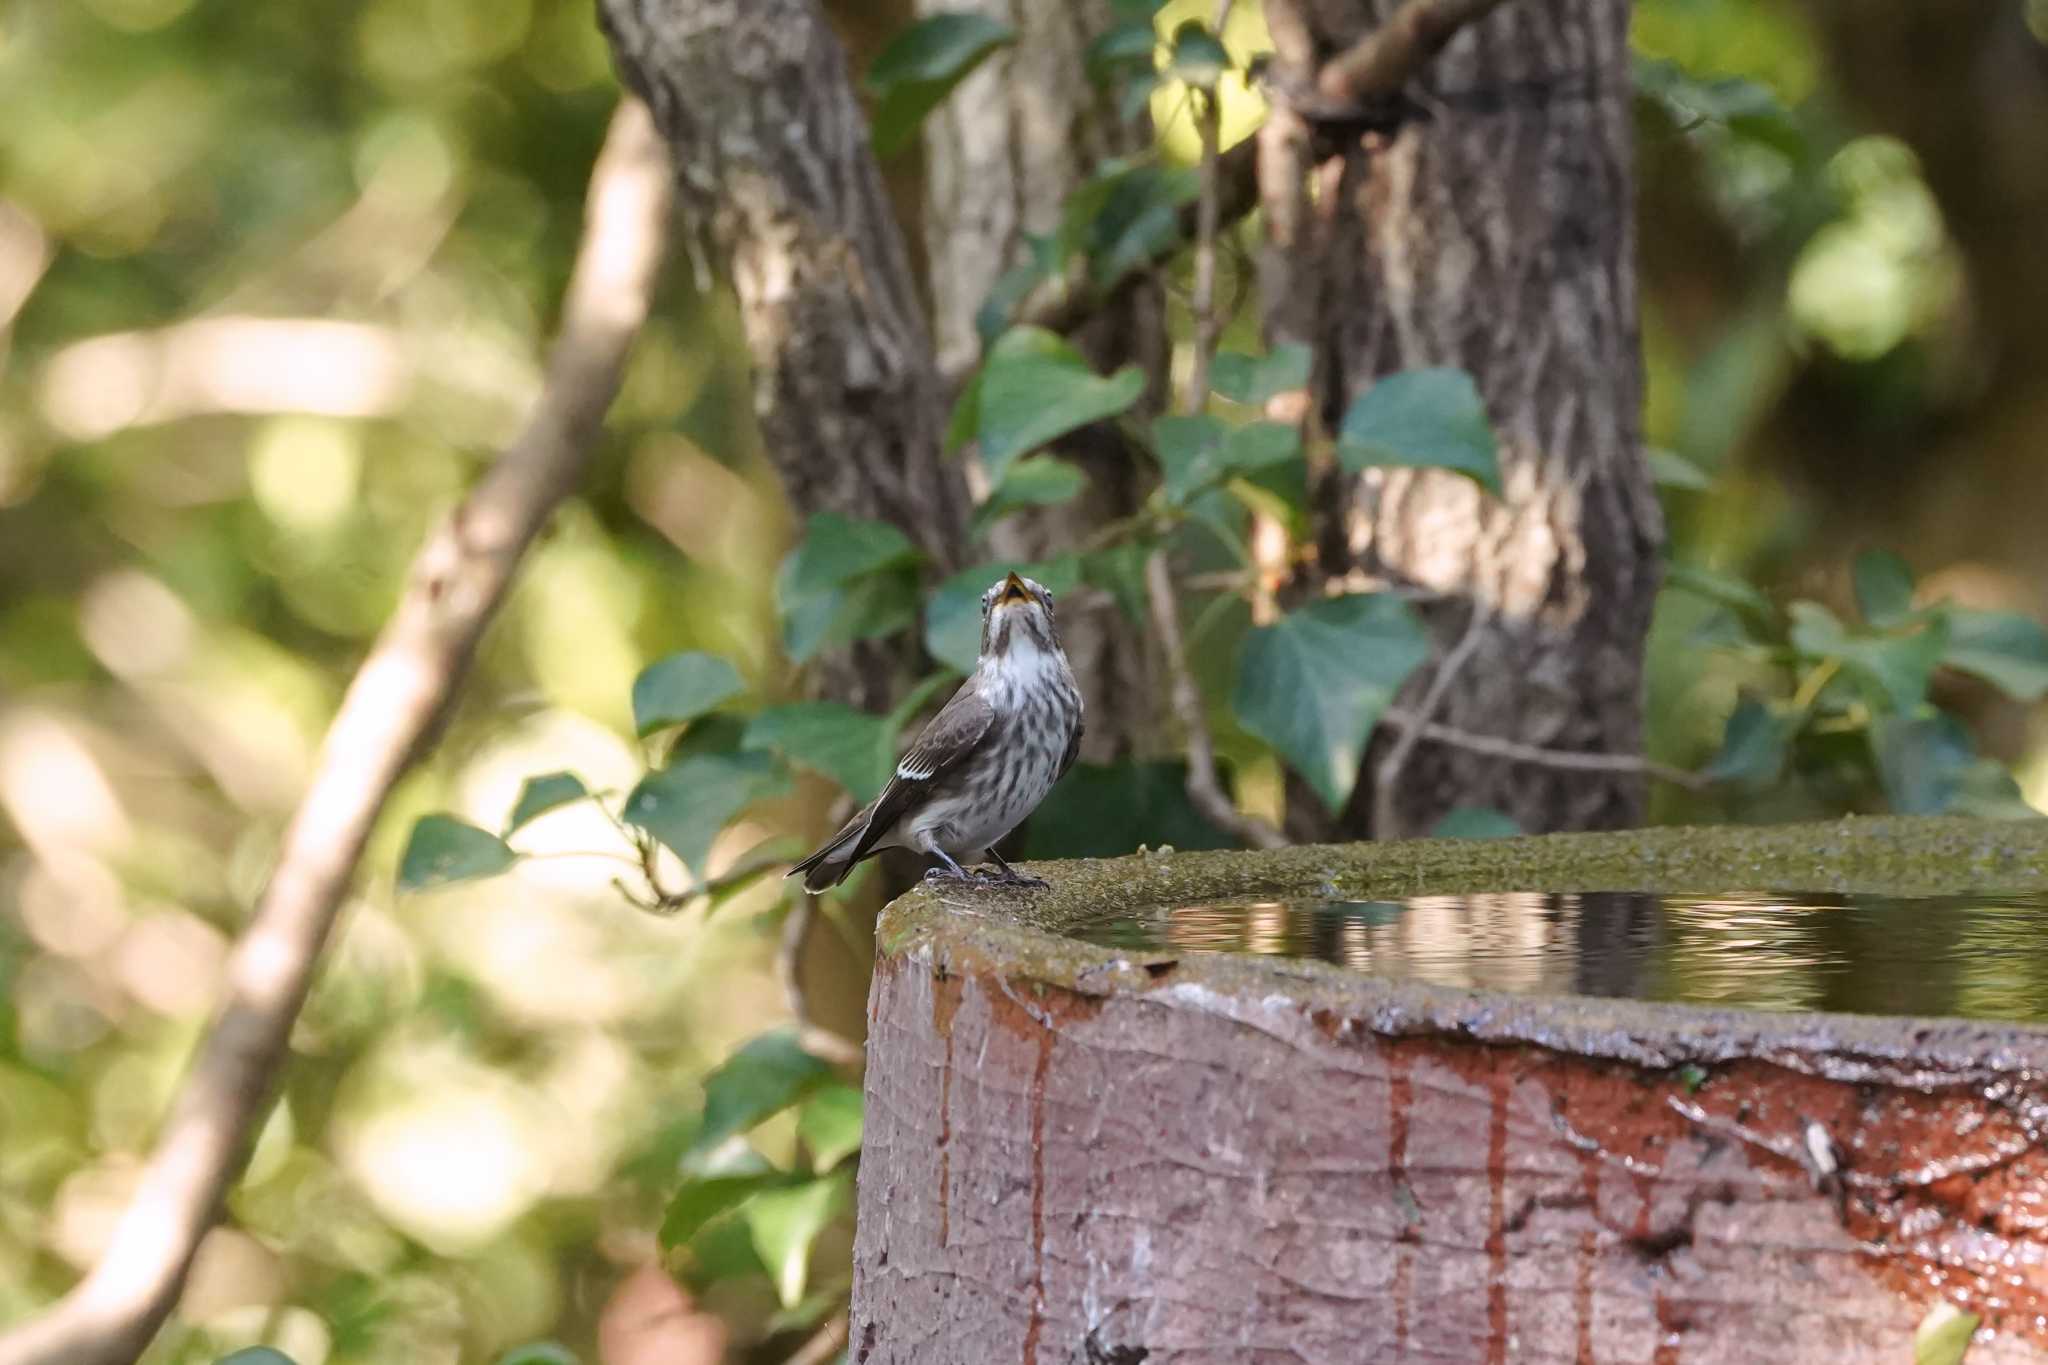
(1013, 591)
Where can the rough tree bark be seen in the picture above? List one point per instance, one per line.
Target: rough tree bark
(1497, 237)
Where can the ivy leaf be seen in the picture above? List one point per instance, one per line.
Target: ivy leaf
(1426, 419)
(1744, 107)
(1040, 481)
(1197, 451)
(1199, 58)
(539, 795)
(2005, 649)
(1896, 668)
(1124, 216)
(1035, 388)
(952, 619)
(845, 580)
(1314, 683)
(1669, 469)
(1922, 761)
(766, 1076)
(853, 748)
(785, 1222)
(1127, 46)
(829, 1124)
(1103, 810)
(1754, 746)
(1884, 588)
(1475, 822)
(1252, 380)
(680, 688)
(921, 67)
(686, 804)
(704, 1195)
(443, 850)
(1725, 589)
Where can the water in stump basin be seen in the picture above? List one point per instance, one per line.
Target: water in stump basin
(1976, 956)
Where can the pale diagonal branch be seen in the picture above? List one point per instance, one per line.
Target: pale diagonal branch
(1386, 59)
(385, 721)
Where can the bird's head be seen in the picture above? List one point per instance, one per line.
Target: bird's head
(1016, 613)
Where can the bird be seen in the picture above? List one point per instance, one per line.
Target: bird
(986, 759)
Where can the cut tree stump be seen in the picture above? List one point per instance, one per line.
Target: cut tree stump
(1080, 1156)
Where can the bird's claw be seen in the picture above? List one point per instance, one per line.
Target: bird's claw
(947, 874)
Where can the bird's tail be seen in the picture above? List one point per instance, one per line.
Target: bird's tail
(829, 865)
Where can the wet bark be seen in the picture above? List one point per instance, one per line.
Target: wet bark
(1496, 237)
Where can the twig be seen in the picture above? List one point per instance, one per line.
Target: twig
(1571, 760)
(815, 1039)
(1209, 123)
(1386, 59)
(384, 723)
(1204, 789)
(824, 1344)
(1389, 772)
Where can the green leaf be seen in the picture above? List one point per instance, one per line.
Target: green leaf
(1046, 260)
(256, 1355)
(1128, 46)
(1035, 388)
(952, 618)
(1744, 107)
(686, 804)
(921, 67)
(853, 748)
(1197, 451)
(2005, 649)
(723, 1249)
(1475, 822)
(1692, 1078)
(539, 1353)
(1314, 683)
(1944, 1335)
(680, 688)
(702, 1198)
(1884, 588)
(765, 1077)
(1126, 215)
(1040, 481)
(784, 1224)
(539, 795)
(1894, 667)
(1199, 58)
(1726, 589)
(1922, 761)
(1104, 810)
(1754, 746)
(443, 849)
(845, 580)
(1253, 380)
(1669, 469)
(1429, 419)
(829, 1124)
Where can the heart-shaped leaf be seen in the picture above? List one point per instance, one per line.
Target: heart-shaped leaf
(766, 1076)
(1755, 744)
(539, 795)
(952, 618)
(1429, 419)
(1894, 667)
(686, 804)
(1035, 388)
(785, 1222)
(845, 580)
(1040, 481)
(711, 1187)
(1314, 683)
(853, 748)
(1199, 58)
(1252, 380)
(920, 68)
(678, 689)
(443, 849)
(1884, 588)
(2005, 649)
(1197, 451)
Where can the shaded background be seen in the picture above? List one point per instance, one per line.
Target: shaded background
(275, 283)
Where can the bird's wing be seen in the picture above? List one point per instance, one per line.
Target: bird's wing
(959, 728)
(1073, 749)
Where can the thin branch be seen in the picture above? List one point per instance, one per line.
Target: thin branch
(815, 1038)
(1209, 123)
(384, 723)
(1205, 790)
(1386, 59)
(1389, 774)
(824, 1344)
(1570, 760)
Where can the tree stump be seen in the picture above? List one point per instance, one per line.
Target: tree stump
(1076, 1154)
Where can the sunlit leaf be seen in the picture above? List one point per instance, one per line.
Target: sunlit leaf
(845, 580)
(1431, 419)
(443, 849)
(1944, 1335)
(853, 748)
(1755, 745)
(785, 1222)
(1884, 588)
(680, 688)
(1035, 388)
(539, 795)
(686, 804)
(1669, 469)
(1254, 379)
(952, 618)
(1040, 481)
(829, 1124)
(1475, 822)
(2005, 649)
(1314, 683)
(766, 1076)
(1198, 57)
(702, 1198)
(922, 66)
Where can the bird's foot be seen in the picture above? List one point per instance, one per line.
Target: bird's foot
(947, 874)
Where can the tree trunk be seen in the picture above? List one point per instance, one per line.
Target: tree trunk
(1496, 237)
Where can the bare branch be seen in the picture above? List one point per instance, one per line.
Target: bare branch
(815, 1039)
(1386, 59)
(823, 1345)
(1389, 773)
(1570, 760)
(391, 708)
(1204, 788)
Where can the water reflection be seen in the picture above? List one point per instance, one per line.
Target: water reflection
(1978, 955)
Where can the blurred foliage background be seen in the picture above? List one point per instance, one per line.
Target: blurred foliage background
(275, 281)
